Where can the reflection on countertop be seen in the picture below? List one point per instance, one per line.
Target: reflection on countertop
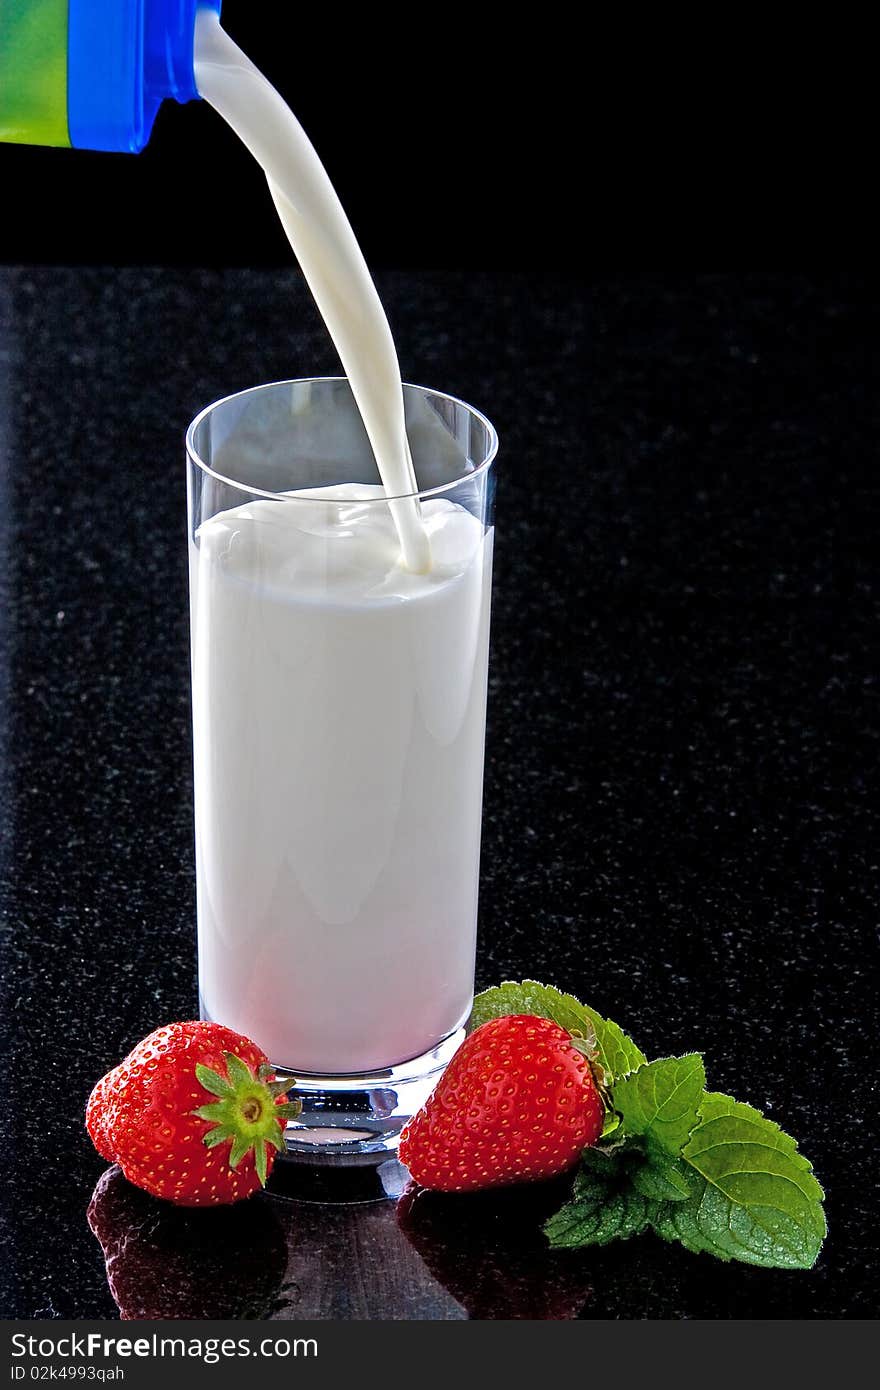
(273, 1257)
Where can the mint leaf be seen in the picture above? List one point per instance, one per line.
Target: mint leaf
(618, 1053)
(753, 1195)
(659, 1106)
(529, 997)
(615, 1052)
(661, 1103)
(661, 1182)
(597, 1213)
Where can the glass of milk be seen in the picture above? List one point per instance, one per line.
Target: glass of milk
(339, 705)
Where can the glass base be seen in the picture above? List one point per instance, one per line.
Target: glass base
(356, 1120)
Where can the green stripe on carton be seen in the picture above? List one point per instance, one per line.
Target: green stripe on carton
(33, 72)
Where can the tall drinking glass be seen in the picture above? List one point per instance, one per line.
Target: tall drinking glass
(339, 706)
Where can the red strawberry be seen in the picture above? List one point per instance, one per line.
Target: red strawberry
(96, 1112)
(517, 1103)
(193, 1114)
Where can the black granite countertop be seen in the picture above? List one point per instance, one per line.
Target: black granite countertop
(681, 810)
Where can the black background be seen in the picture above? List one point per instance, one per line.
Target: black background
(487, 138)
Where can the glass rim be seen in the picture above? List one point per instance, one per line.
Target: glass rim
(195, 457)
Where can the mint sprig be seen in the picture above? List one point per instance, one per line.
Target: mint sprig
(739, 1189)
(754, 1197)
(692, 1165)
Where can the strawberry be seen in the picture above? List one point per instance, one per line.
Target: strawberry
(517, 1103)
(194, 1114)
(96, 1113)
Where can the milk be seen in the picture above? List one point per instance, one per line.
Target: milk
(339, 713)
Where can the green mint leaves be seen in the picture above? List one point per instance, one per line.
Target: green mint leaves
(692, 1165)
(753, 1196)
(602, 1209)
(659, 1106)
(660, 1103)
(739, 1190)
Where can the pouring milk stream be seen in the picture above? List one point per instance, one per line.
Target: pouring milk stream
(329, 256)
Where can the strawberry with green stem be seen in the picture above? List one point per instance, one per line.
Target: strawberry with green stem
(193, 1114)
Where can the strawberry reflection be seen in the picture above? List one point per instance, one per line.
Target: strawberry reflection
(183, 1262)
(488, 1251)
